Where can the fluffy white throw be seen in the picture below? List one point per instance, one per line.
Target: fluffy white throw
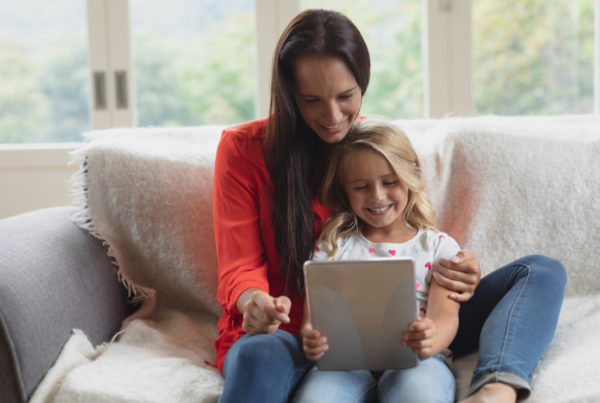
(503, 187)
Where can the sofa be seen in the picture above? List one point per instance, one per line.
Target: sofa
(114, 298)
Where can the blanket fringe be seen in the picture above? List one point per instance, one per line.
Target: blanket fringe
(83, 219)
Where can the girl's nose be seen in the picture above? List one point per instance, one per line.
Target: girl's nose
(377, 193)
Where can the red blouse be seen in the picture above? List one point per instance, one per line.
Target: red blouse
(242, 209)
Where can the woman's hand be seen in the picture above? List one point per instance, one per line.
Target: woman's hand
(314, 343)
(460, 274)
(420, 337)
(262, 313)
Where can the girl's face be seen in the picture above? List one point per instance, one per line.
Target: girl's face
(377, 196)
(327, 96)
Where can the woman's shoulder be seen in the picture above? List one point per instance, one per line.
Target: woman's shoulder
(247, 131)
(243, 140)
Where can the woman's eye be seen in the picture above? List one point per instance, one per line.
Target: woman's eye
(389, 183)
(311, 101)
(363, 187)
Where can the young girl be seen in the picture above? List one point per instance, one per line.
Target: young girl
(379, 210)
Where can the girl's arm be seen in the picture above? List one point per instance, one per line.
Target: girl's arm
(429, 336)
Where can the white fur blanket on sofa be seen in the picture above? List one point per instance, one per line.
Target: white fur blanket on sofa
(502, 186)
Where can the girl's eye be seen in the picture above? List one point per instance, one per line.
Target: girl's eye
(362, 187)
(311, 100)
(345, 96)
(389, 183)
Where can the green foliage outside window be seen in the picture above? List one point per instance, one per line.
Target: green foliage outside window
(529, 57)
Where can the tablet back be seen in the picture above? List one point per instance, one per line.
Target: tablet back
(363, 307)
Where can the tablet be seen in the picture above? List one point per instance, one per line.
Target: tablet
(363, 307)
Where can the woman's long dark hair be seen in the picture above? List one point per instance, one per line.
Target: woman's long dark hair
(292, 149)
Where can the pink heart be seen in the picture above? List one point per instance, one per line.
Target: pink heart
(317, 249)
(418, 285)
(371, 250)
(423, 310)
(392, 252)
(428, 265)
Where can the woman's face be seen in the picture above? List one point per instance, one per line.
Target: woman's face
(327, 95)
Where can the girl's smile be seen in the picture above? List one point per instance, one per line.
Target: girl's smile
(377, 196)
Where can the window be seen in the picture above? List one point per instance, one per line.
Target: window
(193, 61)
(533, 57)
(44, 73)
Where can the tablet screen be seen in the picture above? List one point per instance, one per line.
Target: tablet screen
(363, 308)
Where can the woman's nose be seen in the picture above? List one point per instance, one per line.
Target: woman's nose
(332, 113)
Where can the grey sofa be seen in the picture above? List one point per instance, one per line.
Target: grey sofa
(54, 277)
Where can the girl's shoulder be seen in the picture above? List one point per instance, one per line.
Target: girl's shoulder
(440, 243)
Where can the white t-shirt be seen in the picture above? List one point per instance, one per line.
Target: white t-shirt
(424, 248)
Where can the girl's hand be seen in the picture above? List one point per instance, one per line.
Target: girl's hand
(420, 337)
(314, 343)
(263, 313)
(460, 274)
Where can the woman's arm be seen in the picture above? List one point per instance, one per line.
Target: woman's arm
(243, 288)
(460, 274)
(429, 336)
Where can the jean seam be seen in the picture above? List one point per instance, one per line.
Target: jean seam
(362, 393)
(512, 310)
(291, 378)
(381, 394)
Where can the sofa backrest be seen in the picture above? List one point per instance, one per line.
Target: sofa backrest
(502, 186)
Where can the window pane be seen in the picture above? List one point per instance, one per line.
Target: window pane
(533, 57)
(44, 73)
(392, 31)
(194, 61)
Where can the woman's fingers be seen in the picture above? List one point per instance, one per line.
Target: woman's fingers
(264, 314)
(460, 274)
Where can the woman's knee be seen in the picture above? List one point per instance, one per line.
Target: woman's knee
(548, 271)
(262, 350)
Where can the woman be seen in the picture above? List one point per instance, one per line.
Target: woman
(266, 219)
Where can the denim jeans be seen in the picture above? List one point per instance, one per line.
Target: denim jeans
(431, 381)
(511, 319)
(263, 368)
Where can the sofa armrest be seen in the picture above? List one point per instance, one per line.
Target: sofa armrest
(54, 277)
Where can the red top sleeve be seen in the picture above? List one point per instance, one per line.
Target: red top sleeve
(242, 209)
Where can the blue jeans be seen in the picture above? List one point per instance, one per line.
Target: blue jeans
(263, 368)
(431, 381)
(511, 319)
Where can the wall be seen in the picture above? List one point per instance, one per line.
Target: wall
(33, 177)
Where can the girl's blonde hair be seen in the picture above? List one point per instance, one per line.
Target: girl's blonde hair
(389, 141)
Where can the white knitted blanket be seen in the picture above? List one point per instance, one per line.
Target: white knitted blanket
(503, 187)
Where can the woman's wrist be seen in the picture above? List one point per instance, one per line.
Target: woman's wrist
(244, 298)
